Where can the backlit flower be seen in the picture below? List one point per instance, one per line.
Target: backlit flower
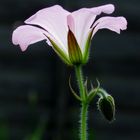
(69, 33)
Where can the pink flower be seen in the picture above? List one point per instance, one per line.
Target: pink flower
(68, 33)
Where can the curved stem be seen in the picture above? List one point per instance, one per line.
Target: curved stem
(84, 104)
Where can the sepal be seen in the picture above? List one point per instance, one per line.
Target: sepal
(87, 46)
(74, 50)
(59, 52)
(73, 92)
(93, 92)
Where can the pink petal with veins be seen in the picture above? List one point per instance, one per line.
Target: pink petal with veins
(54, 20)
(107, 9)
(112, 23)
(26, 35)
(81, 20)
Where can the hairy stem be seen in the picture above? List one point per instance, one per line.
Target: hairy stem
(79, 75)
(84, 105)
(83, 122)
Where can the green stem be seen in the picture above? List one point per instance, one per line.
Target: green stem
(83, 122)
(79, 76)
(84, 107)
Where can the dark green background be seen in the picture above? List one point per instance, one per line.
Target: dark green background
(34, 94)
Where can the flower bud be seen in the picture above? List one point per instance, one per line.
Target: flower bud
(106, 106)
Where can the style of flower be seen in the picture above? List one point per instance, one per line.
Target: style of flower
(69, 33)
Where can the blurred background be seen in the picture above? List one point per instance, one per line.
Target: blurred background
(35, 100)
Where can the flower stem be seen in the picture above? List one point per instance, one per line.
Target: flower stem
(83, 122)
(84, 104)
(79, 75)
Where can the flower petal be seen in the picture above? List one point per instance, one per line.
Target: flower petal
(26, 35)
(81, 20)
(54, 20)
(112, 23)
(107, 9)
(79, 23)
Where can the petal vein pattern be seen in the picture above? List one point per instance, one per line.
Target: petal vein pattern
(112, 23)
(26, 35)
(54, 20)
(81, 20)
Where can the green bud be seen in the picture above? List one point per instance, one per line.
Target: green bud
(106, 106)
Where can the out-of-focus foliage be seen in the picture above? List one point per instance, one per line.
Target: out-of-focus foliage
(38, 132)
